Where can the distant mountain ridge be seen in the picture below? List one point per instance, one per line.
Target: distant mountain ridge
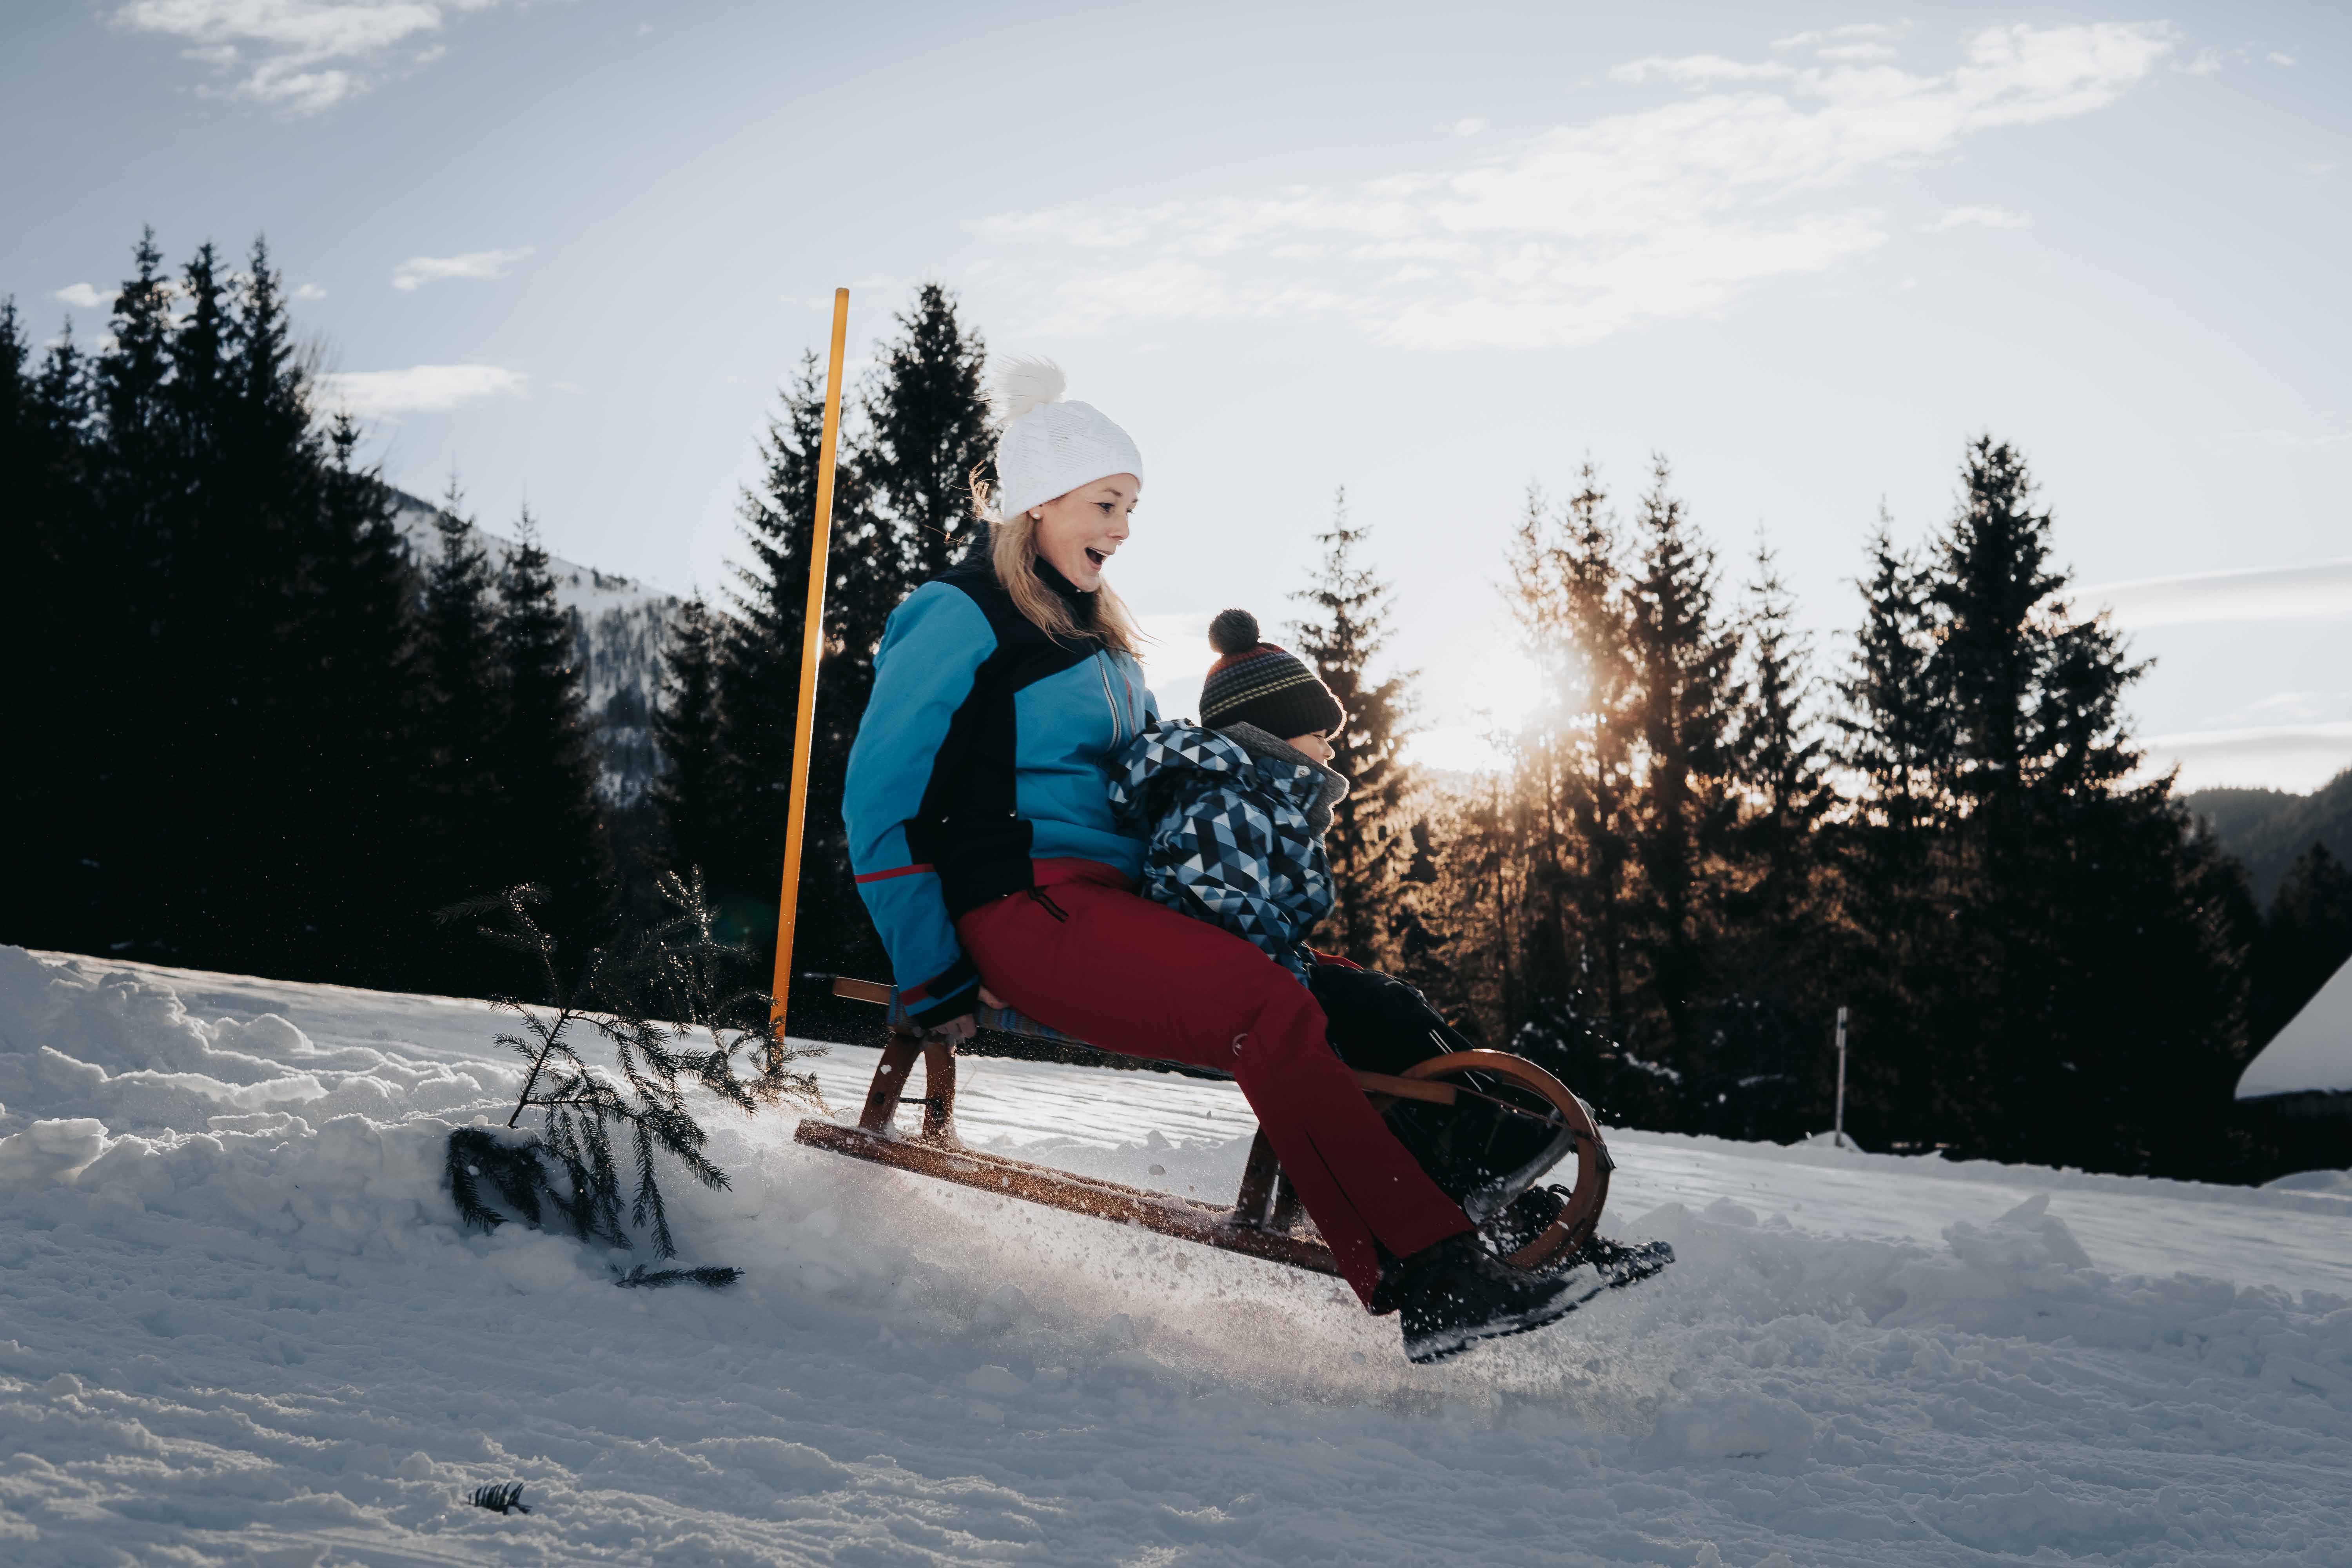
(2267, 829)
(618, 624)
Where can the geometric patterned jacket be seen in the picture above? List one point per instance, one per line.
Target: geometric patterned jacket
(1234, 821)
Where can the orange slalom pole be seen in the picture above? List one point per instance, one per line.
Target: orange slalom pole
(812, 645)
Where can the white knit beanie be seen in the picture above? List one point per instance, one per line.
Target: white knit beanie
(1051, 448)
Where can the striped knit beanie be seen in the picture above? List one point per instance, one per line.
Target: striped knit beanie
(1258, 683)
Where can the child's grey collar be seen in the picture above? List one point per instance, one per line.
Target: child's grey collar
(1274, 748)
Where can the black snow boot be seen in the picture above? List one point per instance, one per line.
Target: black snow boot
(1526, 1217)
(1615, 1264)
(1455, 1294)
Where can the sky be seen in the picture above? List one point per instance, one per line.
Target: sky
(567, 252)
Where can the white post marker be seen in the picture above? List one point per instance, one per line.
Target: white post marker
(1837, 1135)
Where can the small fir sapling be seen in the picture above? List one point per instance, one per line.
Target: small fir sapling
(674, 1017)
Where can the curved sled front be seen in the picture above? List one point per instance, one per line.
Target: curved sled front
(1263, 1218)
(1580, 1219)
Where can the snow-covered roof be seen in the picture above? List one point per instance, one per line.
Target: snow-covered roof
(2312, 1053)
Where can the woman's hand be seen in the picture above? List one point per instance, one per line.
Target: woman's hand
(956, 1031)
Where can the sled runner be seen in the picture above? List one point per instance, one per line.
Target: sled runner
(1263, 1218)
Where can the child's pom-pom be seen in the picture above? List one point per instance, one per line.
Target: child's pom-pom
(1023, 384)
(1233, 632)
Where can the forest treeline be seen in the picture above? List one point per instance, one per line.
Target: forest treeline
(253, 732)
(248, 731)
(1712, 837)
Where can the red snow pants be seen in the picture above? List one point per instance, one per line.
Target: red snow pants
(1092, 958)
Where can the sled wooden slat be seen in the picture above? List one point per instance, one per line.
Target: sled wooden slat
(1182, 1218)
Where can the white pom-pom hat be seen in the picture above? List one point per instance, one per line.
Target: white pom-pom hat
(1051, 448)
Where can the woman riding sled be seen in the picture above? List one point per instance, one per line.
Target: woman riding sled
(982, 834)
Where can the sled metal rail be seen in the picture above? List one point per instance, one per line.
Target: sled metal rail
(1263, 1221)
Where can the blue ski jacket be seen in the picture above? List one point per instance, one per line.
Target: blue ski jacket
(986, 744)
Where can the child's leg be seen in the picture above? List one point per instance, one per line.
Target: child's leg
(1382, 1024)
(1379, 1023)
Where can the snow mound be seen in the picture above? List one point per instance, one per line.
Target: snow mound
(120, 1048)
(2335, 1183)
(239, 1323)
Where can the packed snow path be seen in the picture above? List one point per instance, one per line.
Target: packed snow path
(238, 1324)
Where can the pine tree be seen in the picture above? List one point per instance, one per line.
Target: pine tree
(900, 513)
(759, 674)
(137, 740)
(2092, 974)
(1601, 779)
(545, 767)
(2032, 695)
(1783, 762)
(23, 577)
(1685, 662)
(1893, 731)
(260, 809)
(1889, 851)
(1346, 629)
(1544, 755)
(66, 665)
(461, 722)
(361, 680)
(129, 379)
(21, 545)
(928, 434)
(689, 790)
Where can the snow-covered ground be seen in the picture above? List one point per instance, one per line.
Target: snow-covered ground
(238, 1324)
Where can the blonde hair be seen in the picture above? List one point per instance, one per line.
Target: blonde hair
(1013, 552)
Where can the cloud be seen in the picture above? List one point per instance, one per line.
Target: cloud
(1697, 70)
(418, 270)
(2297, 757)
(83, 297)
(420, 389)
(2271, 594)
(302, 57)
(1978, 218)
(1853, 35)
(310, 292)
(1607, 225)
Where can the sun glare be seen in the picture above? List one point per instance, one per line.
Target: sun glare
(1474, 696)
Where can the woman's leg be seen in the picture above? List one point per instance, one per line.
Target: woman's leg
(1095, 960)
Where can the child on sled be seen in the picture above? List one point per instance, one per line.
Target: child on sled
(1234, 811)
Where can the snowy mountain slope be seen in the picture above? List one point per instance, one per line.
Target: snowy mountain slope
(238, 1325)
(617, 624)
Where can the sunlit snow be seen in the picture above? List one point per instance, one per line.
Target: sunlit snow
(238, 1324)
